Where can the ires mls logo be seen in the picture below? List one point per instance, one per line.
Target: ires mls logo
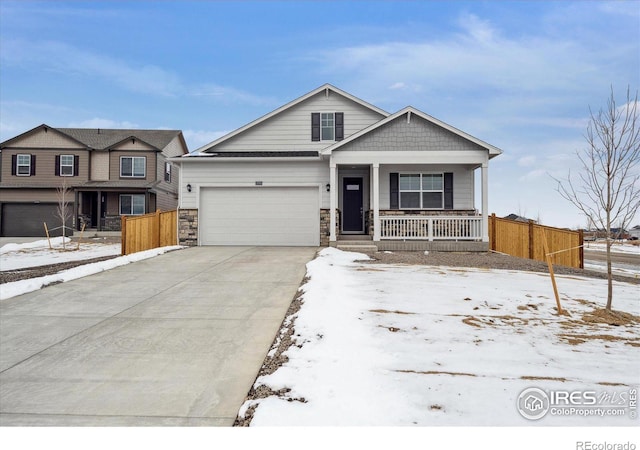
(534, 403)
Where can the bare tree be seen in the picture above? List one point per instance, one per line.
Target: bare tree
(63, 212)
(607, 189)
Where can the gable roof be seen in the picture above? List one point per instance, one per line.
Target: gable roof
(409, 110)
(105, 138)
(325, 87)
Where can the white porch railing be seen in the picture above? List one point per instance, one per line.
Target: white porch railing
(430, 228)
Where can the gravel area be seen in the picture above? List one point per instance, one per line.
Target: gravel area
(484, 260)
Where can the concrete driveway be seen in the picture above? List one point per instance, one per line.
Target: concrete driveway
(173, 340)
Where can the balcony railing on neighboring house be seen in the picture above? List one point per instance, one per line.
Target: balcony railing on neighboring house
(427, 228)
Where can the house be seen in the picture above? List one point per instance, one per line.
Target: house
(109, 173)
(331, 169)
(634, 233)
(518, 218)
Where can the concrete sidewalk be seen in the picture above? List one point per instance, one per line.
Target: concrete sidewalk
(173, 340)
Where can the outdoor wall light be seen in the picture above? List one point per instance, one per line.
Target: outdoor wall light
(188, 187)
(328, 187)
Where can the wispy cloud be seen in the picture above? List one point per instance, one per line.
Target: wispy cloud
(98, 122)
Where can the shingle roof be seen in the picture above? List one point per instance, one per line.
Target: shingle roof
(100, 139)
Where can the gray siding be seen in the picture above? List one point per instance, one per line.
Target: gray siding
(291, 129)
(207, 173)
(418, 135)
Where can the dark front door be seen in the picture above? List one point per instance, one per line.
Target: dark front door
(352, 205)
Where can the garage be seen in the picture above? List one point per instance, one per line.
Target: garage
(283, 216)
(26, 219)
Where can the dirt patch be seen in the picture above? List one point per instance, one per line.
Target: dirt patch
(615, 318)
(482, 261)
(386, 311)
(438, 372)
(578, 338)
(10, 276)
(531, 377)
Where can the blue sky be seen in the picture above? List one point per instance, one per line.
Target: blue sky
(519, 75)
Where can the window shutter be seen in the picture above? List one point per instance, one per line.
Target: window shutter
(339, 126)
(394, 200)
(76, 165)
(448, 190)
(57, 169)
(33, 165)
(315, 127)
(14, 164)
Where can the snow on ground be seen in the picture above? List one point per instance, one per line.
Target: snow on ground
(422, 345)
(9, 290)
(617, 247)
(617, 268)
(33, 254)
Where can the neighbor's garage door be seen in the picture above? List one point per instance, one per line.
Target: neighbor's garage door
(26, 219)
(260, 216)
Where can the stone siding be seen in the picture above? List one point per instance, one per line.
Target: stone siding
(325, 226)
(188, 227)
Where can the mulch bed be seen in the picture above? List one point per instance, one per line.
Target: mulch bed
(50, 269)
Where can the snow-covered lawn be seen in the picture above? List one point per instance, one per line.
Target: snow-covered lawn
(420, 345)
(617, 247)
(15, 256)
(32, 254)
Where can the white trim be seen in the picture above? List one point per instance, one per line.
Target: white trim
(420, 191)
(410, 157)
(325, 87)
(211, 159)
(132, 175)
(333, 201)
(28, 174)
(334, 125)
(73, 161)
(376, 201)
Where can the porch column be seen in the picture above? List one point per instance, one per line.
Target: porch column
(76, 210)
(99, 212)
(485, 202)
(333, 202)
(376, 201)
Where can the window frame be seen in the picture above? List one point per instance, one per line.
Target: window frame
(167, 171)
(133, 158)
(332, 127)
(421, 190)
(18, 165)
(72, 165)
(132, 210)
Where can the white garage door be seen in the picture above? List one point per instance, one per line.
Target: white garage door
(260, 216)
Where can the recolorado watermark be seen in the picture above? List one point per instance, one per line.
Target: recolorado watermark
(534, 403)
(589, 445)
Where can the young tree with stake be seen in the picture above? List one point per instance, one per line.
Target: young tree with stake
(607, 189)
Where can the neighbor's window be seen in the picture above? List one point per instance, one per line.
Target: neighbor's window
(167, 172)
(327, 126)
(422, 191)
(23, 165)
(131, 205)
(66, 165)
(133, 166)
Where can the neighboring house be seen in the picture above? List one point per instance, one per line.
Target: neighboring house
(329, 168)
(518, 218)
(109, 172)
(634, 233)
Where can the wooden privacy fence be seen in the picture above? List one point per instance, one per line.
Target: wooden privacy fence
(525, 240)
(149, 231)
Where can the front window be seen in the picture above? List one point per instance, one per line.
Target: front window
(167, 172)
(66, 165)
(133, 166)
(327, 126)
(422, 191)
(131, 205)
(23, 165)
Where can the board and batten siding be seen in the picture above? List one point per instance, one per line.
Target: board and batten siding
(201, 173)
(463, 182)
(290, 130)
(99, 165)
(47, 138)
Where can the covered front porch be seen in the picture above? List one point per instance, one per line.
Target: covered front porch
(400, 206)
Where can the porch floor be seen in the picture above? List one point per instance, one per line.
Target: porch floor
(365, 244)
